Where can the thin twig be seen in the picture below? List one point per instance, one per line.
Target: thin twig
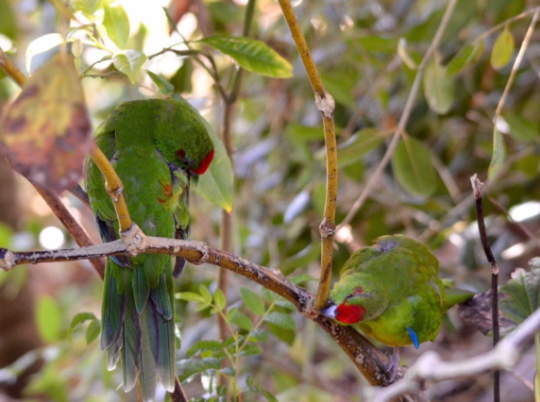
(375, 177)
(477, 190)
(505, 23)
(325, 103)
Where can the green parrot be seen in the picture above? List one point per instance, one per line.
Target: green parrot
(155, 146)
(392, 292)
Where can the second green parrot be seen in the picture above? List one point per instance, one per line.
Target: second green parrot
(392, 292)
(156, 147)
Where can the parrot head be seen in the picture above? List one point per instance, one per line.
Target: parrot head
(351, 303)
(187, 144)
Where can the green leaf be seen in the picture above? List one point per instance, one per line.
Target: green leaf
(269, 397)
(87, 7)
(164, 86)
(413, 168)
(286, 335)
(259, 335)
(252, 301)
(520, 297)
(300, 259)
(79, 319)
(116, 22)
(358, 146)
(465, 57)
(302, 278)
(228, 371)
(49, 319)
(521, 130)
(189, 367)
(205, 293)
(252, 55)
(271, 296)
(503, 49)
(129, 62)
(202, 346)
(239, 319)
(216, 185)
(190, 296)
(438, 88)
(281, 320)
(219, 299)
(249, 350)
(499, 155)
(92, 331)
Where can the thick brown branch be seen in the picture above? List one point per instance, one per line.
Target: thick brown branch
(369, 360)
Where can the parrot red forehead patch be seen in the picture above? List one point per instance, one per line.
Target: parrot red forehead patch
(350, 314)
(203, 166)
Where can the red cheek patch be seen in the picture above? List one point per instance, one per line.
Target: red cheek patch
(203, 166)
(350, 314)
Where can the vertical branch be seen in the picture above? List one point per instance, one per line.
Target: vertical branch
(226, 218)
(325, 104)
(477, 189)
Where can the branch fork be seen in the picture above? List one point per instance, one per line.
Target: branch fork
(325, 104)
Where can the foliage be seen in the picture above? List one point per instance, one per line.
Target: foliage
(368, 55)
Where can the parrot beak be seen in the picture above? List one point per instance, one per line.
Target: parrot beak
(329, 312)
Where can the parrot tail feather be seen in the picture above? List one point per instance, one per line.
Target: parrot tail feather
(132, 345)
(161, 299)
(141, 288)
(113, 309)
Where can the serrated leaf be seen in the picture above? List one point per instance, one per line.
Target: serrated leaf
(521, 295)
(205, 293)
(413, 168)
(189, 367)
(190, 296)
(240, 319)
(46, 131)
(499, 155)
(286, 305)
(438, 88)
(79, 319)
(270, 296)
(502, 49)
(219, 299)
(41, 45)
(252, 55)
(201, 346)
(252, 301)
(216, 185)
(129, 62)
(49, 319)
(164, 86)
(358, 146)
(281, 320)
(92, 331)
(465, 57)
(116, 22)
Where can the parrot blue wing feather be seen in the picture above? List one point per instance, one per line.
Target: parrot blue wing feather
(414, 337)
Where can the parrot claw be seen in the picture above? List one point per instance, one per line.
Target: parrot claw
(393, 365)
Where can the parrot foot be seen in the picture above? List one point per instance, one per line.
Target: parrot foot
(134, 239)
(393, 364)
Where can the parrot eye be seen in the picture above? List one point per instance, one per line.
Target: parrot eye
(349, 296)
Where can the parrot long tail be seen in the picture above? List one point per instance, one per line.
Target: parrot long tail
(144, 340)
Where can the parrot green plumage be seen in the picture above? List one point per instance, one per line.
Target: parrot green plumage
(392, 292)
(155, 146)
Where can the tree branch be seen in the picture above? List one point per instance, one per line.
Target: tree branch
(430, 367)
(325, 103)
(367, 358)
